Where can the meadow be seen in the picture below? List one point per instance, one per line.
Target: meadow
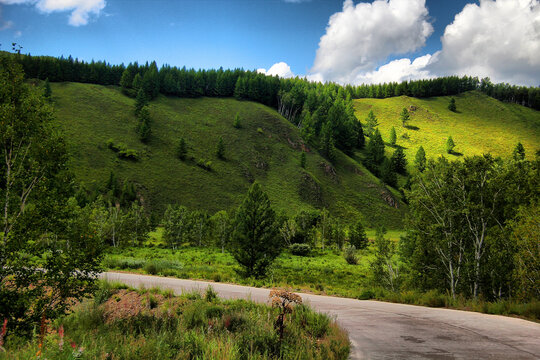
(266, 148)
(480, 125)
(122, 323)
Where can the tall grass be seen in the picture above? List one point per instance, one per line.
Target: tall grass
(131, 324)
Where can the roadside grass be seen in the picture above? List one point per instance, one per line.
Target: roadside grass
(90, 115)
(323, 272)
(122, 323)
(481, 125)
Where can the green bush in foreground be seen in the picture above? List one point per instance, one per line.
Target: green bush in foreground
(150, 324)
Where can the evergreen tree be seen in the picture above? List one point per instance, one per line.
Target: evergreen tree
(404, 117)
(126, 81)
(371, 123)
(452, 105)
(220, 149)
(357, 236)
(303, 159)
(144, 129)
(236, 122)
(137, 82)
(393, 136)
(181, 149)
(519, 152)
(328, 148)
(384, 269)
(420, 159)
(360, 138)
(388, 175)
(140, 101)
(255, 242)
(450, 145)
(47, 92)
(399, 162)
(375, 150)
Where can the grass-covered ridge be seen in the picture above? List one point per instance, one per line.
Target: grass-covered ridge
(480, 125)
(266, 148)
(121, 323)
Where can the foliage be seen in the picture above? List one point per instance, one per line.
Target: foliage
(519, 152)
(236, 122)
(181, 149)
(300, 249)
(450, 145)
(220, 149)
(143, 128)
(420, 159)
(393, 136)
(371, 123)
(387, 172)
(160, 325)
(404, 117)
(357, 236)
(303, 159)
(255, 243)
(399, 162)
(452, 105)
(349, 254)
(48, 253)
(384, 267)
(47, 92)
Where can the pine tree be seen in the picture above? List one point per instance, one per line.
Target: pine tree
(420, 159)
(303, 160)
(181, 149)
(375, 149)
(220, 149)
(360, 138)
(393, 136)
(47, 92)
(399, 162)
(144, 129)
(137, 82)
(452, 105)
(371, 123)
(236, 122)
(519, 152)
(450, 145)
(404, 117)
(357, 236)
(388, 175)
(328, 148)
(140, 101)
(255, 242)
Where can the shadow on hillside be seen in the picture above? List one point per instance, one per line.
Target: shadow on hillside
(412, 127)
(456, 153)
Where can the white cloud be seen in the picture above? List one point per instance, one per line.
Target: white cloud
(396, 71)
(361, 36)
(280, 69)
(499, 39)
(80, 9)
(4, 25)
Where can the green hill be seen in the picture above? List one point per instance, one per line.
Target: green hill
(266, 148)
(480, 125)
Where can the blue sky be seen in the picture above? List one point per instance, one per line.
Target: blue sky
(251, 34)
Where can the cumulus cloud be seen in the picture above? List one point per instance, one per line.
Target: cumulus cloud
(499, 39)
(396, 71)
(361, 36)
(280, 69)
(81, 10)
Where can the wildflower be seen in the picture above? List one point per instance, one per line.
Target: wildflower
(3, 334)
(61, 334)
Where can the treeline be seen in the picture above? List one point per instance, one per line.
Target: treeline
(265, 89)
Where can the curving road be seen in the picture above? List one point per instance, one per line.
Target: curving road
(380, 330)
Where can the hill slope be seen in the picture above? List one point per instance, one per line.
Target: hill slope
(480, 125)
(267, 149)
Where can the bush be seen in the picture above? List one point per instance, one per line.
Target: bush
(300, 249)
(204, 164)
(350, 255)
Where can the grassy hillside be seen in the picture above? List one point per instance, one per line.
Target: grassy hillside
(267, 149)
(480, 125)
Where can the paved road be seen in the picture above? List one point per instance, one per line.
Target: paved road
(380, 330)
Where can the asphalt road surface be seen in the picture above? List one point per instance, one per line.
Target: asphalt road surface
(380, 330)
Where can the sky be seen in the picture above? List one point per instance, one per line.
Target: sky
(324, 40)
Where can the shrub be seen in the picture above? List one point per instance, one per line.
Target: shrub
(300, 249)
(204, 164)
(260, 130)
(350, 255)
